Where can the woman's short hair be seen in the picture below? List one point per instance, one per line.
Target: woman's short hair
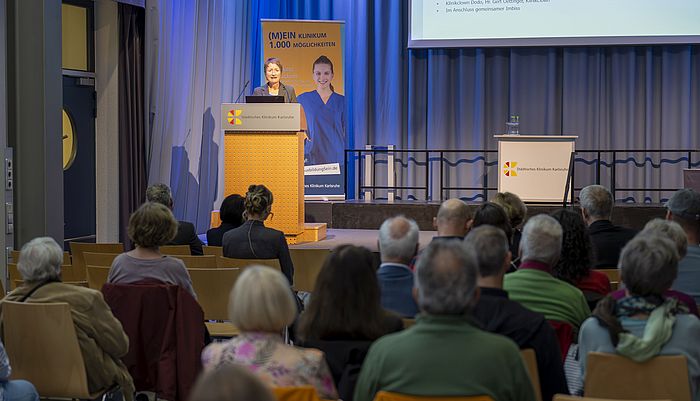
(40, 260)
(494, 215)
(669, 229)
(273, 60)
(258, 200)
(230, 382)
(261, 300)
(648, 265)
(231, 210)
(152, 225)
(514, 207)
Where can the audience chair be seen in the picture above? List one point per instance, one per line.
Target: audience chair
(213, 250)
(68, 274)
(301, 393)
(530, 359)
(66, 257)
(194, 262)
(222, 261)
(99, 259)
(407, 322)
(566, 397)
(79, 283)
(391, 396)
(307, 265)
(615, 376)
(79, 248)
(175, 250)
(212, 287)
(53, 363)
(97, 276)
(613, 274)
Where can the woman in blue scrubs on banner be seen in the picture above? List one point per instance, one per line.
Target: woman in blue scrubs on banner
(325, 116)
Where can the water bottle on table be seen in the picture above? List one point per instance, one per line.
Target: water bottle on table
(513, 125)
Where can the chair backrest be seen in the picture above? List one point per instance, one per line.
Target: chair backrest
(301, 393)
(615, 376)
(613, 274)
(193, 262)
(408, 322)
(175, 250)
(79, 283)
(566, 397)
(68, 273)
(99, 259)
(391, 396)
(213, 250)
(77, 250)
(97, 276)
(530, 359)
(213, 287)
(307, 265)
(53, 363)
(66, 257)
(222, 261)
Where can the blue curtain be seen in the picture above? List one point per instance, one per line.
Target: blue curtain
(613, 97)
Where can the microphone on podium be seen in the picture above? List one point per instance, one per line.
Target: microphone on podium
(243, 90)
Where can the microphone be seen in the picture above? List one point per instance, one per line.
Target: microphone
(242, 91)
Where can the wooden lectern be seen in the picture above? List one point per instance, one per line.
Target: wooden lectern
(264, 144)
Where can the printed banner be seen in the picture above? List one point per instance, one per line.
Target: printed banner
(311, 54)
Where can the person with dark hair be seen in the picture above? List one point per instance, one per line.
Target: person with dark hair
(274, 86)
(494, 215)
(498, 314)
(252, 240)
(344, 315)
(645, 323)
(325, 115)
(576, 258)
(231, 214)
(230, 383)
(445, 354)
(516, 211)
(186, 233)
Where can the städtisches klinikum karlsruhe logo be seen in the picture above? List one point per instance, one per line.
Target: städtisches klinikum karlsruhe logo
(233, 117)
(510, 169)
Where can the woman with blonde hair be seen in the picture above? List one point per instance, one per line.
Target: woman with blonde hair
(252, 240)
(262, 305)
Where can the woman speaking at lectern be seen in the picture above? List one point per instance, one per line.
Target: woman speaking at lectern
(274, 85)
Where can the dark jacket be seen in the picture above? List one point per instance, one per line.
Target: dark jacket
(253, 240)
(285, 90)
(215, 235)
(608, 240)
(186, 235)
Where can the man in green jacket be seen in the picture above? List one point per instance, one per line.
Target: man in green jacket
(444, 354)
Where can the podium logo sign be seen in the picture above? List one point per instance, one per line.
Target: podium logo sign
(510, 169)
(233, 117)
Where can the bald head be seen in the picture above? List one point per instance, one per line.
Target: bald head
(398, 240)
(453, 219)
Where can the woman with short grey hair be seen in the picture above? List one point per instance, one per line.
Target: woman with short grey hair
(644, 323)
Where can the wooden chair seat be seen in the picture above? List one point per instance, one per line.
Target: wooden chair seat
(97, 276)
(243, 263)
(194, 262)
(99, 259)
(391, 396)
(530, 359)
(213, 250)
(213, 286)
(175, 250)
(300, 393)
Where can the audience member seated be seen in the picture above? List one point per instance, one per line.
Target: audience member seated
(398, 244)
(344, 315)
(444, 354)
(516, 211)
(231, 215)
(13, 390)
(492, 214)
(100, 335)
(230, 383)
(150, 226)
(575, 262)
(644, 323)
(262, 305)
(673, 231)
(186, 233)
(607, 238)
(253, 240)
(498, 314)
(684, 209)
(453, 220)
(533, 284)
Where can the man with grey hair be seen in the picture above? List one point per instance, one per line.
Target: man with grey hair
(453, 220)
(607, 238)
(684, 209)
(533, 284)
(186, 233)
(498, 314)
(398, 244)
(444, 354)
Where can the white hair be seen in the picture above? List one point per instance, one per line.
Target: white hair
(597, 201)
(40, 260)
(398, 237)
(542, 239)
